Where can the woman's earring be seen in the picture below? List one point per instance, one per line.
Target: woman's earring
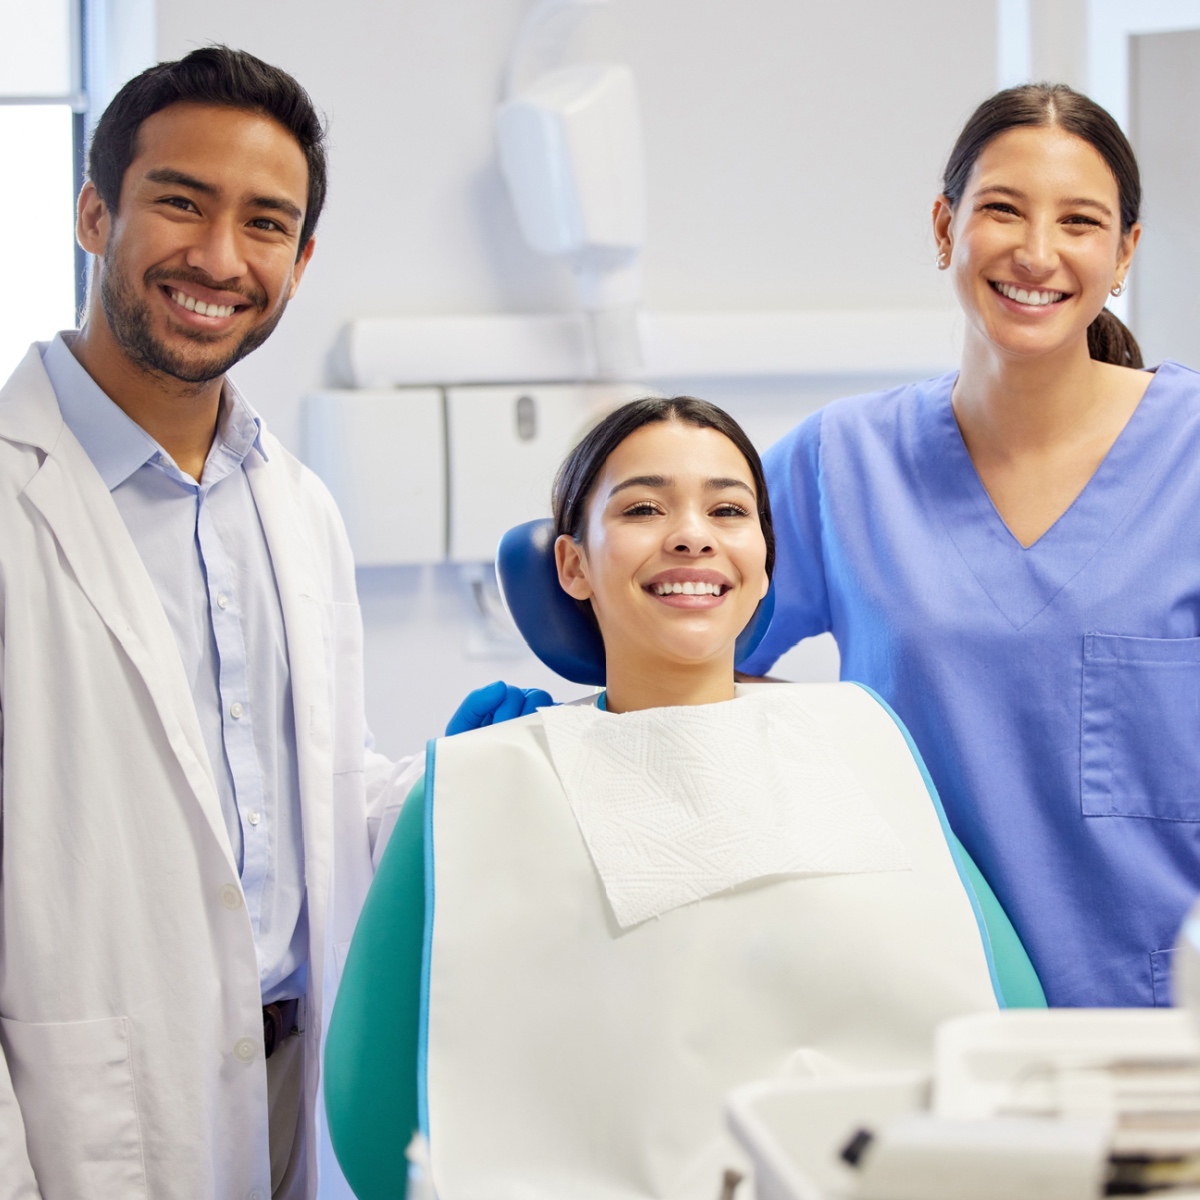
(1117, 289)
(942, 260)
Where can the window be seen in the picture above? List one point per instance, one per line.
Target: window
(41, 133)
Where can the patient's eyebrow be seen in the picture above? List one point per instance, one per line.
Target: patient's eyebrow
(719, 485)
(650, 481)
(665, 481)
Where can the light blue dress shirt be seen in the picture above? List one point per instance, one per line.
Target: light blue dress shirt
(1053, 690)
(204, 548)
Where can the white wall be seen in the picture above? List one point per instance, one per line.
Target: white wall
(1165, 128)
(793, 150)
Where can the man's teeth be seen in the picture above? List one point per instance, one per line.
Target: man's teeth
(198, 306)
(1021, 296)
(687, 589)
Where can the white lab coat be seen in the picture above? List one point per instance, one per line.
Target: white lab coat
(130, 1010)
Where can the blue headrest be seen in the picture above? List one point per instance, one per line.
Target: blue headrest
(551, 621)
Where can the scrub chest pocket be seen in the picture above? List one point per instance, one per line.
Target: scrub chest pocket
(1140, 727)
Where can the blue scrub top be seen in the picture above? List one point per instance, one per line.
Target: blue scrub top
(1053, 691)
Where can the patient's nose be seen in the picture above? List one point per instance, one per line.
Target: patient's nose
(690, 535)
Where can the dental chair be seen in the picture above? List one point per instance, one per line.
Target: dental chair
(371, 1050)
(371, 1053)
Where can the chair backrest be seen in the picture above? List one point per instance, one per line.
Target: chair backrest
(553, 624)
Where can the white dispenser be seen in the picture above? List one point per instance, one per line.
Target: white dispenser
(570, 146)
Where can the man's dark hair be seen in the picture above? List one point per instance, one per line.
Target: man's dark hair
(212, 75)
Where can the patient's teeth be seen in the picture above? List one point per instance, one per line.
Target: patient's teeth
(690, 587)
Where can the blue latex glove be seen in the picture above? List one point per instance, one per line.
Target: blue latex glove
(494, 703)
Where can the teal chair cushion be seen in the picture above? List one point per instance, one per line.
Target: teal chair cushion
(371, 1048)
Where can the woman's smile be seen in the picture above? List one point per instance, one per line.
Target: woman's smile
(683, 587)
(1028, 297)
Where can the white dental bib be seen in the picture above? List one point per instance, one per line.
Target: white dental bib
(567, 1057)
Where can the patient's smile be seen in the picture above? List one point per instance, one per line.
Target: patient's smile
(689, 587)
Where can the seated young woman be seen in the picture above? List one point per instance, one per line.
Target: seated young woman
(593, 921)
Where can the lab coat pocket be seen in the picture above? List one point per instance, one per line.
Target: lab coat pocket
(342, 622)
(1140, 727)
(74, 1083)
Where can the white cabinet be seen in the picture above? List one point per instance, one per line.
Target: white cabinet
(505, 444)
(382, 453)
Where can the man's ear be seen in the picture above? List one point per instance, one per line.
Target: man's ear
(301, 264)
(93, 222)
(572, 567)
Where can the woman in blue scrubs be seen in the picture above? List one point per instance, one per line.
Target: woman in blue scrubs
(1010, 555)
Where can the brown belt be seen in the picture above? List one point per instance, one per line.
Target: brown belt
(280, 1020)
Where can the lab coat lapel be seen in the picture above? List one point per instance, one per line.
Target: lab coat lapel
(71, 497)
(300, 598)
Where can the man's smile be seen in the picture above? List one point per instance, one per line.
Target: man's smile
(184, 300)
(200, 306)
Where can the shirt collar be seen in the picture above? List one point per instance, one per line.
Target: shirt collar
(115, 443)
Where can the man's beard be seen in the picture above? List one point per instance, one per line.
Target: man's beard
(129, 319)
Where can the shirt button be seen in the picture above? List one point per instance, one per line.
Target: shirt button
(245, 1050)
(236, 710)
(254, 816)
(222, 600)
(256, 1194)
(231, 897)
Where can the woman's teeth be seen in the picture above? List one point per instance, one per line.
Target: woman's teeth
(198, 306)
(687, 589)
(1021, 296)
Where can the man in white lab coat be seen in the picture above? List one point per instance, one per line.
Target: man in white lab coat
(184, 841)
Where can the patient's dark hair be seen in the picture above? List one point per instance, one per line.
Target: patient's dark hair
(577, 476)
(218, 76)
(1049, 104)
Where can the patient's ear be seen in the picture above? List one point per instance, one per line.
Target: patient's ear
(572, 567)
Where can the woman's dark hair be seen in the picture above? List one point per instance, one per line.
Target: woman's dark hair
(577, 477)
(212, 75)
(1056, 104)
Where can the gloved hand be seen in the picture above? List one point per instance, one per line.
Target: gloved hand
(494, 703)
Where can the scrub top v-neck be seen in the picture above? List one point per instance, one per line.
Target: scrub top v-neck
(1054, 689)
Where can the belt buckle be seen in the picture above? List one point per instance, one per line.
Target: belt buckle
(280, 1020)
(273, 1030)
